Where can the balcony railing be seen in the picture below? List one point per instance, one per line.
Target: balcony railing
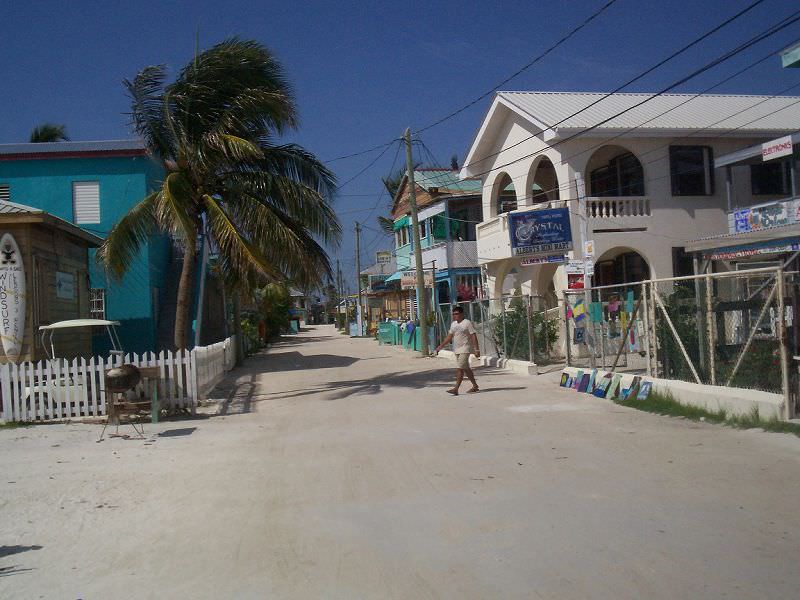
(609, 208)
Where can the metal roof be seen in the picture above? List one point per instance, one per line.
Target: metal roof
(712, 112)
(747, 155)
(7, 208)
(445, 179)
(71, 147)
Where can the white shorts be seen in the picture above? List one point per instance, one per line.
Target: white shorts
(462, 360)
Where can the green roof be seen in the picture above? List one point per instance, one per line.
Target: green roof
(445, 179)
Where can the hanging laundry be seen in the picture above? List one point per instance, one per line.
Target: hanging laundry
(596, 312)
(613, 306)
(629, 302)
(579, 311)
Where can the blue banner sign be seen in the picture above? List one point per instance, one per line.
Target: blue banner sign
(543, 231)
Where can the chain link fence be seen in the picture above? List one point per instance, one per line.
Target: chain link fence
(731, 328)
(514, 327)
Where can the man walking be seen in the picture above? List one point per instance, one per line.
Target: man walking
(465, 342)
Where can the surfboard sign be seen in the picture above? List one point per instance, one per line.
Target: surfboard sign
(12, 297)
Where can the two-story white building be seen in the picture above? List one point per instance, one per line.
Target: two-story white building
(638, 169)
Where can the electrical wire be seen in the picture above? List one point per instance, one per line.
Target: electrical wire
(525, 67)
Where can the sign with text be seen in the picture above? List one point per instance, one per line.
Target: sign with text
(383, 257)
(408, 279)
(762, 217)
(543, 259)
(544, 231)
(777, 148)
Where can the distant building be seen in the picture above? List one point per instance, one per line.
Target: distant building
(449, 210)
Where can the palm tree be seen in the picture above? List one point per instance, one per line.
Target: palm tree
(264, 206)
(49, 132)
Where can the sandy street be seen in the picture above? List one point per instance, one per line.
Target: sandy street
(341, 469)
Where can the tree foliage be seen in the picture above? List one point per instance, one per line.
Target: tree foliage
(266, 207)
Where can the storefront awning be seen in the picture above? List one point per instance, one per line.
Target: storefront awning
(394, 276)
(400, 223)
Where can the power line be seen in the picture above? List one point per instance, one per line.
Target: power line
(369, 165)
(524, 68)
(563, 39)
(772, 30)
(605, 141)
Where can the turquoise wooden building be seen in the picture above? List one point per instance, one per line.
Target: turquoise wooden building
(93, 184)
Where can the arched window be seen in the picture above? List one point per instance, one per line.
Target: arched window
(506, 195)
(614, 171)
(545, 183)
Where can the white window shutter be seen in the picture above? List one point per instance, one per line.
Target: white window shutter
(5, 193)
(86, 202)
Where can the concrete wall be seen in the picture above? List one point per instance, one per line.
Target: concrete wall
(673, 221)
(737, 401)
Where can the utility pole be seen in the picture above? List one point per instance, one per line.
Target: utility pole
(583, 211)
(359, 319)
(412, 201)
(338, 293)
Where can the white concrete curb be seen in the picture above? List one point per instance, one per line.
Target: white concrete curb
(736, 401)
(520, 367)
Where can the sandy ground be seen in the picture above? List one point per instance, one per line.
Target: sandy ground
(341, 469)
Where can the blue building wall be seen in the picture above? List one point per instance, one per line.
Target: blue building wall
(123, 182)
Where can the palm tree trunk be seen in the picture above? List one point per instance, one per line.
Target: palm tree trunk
(185, 289)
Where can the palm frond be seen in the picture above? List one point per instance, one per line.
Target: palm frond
(240, 254)
(128, 235)
(175, 210)
(148, 110)
(49, 132)
(283, 241)
(386, 224)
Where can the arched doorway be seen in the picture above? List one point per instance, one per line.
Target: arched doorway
(620, 266)
(615, 171)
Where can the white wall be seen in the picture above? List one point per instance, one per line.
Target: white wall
(673, 220)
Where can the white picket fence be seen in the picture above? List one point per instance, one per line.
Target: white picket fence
(61, 389)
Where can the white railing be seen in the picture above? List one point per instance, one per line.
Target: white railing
(61, 389)
(608, 208)
(456, 254)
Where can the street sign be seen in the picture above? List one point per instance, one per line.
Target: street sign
(575, 267)
(383, 257)
(543, 231)
(543, 259)
(408, 279)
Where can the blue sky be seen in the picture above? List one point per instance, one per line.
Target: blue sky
(362, 72)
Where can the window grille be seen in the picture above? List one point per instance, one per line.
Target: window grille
(97, 303)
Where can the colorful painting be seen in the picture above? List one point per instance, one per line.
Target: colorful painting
(602, 386)
(564, 379)
(592, 378)
(584, 384)
(577, 379)
(644, 390)
(614, 388)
